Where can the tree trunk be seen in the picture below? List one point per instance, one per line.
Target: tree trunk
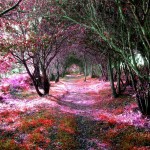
(143, 99)
(111, 78)
(104, 73)
(91, 71)
(118, 78)
(33, 79)
(37, 90)
(126, 72)
(52, 77)
(37, 75)
(57, 77)
(85, 68)
(132, 79)
(46, 84)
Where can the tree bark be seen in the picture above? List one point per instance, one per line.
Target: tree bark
(91, 70)
(58, 74)
(85, 68)
(104, 73)
(33, 79)
(118, 78)
(46, 84)
(114, 94)
(132, 79)
(37, 75)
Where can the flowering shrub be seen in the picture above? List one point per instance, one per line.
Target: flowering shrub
(21, 82)
(16, 83)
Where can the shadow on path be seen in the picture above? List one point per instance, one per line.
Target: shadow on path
(83, 106)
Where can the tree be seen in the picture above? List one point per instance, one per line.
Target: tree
(36, 39)
(34, 42)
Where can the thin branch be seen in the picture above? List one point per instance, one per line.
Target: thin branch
(9, 9)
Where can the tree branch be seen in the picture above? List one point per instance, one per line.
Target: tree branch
(9, 9)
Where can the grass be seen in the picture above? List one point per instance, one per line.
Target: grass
(128, 137)
(39, 130)
(50, 130)
(115, 105)
(23, 95)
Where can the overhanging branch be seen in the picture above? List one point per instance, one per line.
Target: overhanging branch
(9, 9)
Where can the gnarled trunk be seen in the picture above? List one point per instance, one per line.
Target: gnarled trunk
(143, 99)
(46, 84)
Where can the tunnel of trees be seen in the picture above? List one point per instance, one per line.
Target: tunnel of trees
(109, 40)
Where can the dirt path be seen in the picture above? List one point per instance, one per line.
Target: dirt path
(82, 98)
(81, 101)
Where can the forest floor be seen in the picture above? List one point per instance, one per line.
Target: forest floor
(76, 115)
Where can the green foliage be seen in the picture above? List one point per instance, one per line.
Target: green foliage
(72, 59)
